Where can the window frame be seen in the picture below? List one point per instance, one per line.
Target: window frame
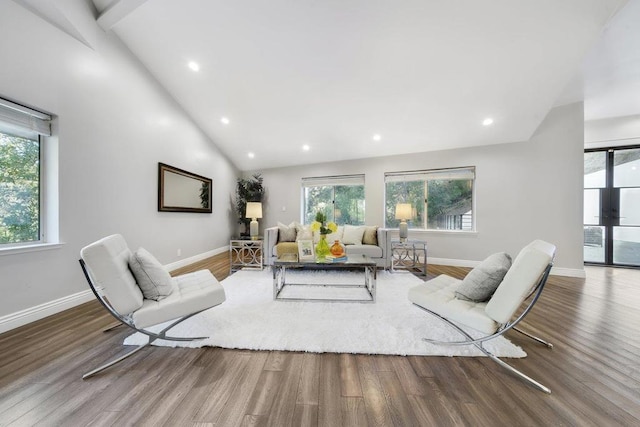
(426, 175)
(18, 120)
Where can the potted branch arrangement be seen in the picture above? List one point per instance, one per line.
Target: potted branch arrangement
(247, 190)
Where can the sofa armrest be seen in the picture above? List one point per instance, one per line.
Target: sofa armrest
(384, 241)
(270, 240)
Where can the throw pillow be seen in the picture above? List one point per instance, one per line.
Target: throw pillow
(370, 236)
(303, 232)
(286, 233)
(352, 235)
(481, 282)
(154, 280)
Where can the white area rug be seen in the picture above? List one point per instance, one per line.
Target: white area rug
(250, 319)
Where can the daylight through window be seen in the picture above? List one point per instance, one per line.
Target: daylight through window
(441, 199)
(341, 198)
(20, 173)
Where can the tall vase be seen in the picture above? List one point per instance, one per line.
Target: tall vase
(322, 248)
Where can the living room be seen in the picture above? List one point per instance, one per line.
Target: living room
(114, 121)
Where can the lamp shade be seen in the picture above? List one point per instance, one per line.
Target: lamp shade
(254, 210)
(404, 211)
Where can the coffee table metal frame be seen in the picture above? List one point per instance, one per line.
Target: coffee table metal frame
(355, 262)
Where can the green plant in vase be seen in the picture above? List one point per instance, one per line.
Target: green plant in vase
(320, 225)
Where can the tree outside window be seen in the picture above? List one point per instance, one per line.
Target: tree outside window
(441, 199)
(19, 189)
(341, 199)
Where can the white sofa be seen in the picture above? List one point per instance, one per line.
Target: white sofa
(378, 253)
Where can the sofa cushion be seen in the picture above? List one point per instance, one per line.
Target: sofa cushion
(285, 248)
(286, 233)
(370, 236)
(353, 235)
(372, 251)
(154, 280)
(482, 281)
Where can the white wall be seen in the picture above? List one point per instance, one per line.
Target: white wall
(613, 131)
(115, 123)
(524, 191)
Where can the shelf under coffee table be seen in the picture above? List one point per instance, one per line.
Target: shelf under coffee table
(358, 263)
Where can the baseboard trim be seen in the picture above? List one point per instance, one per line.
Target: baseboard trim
(555, 271)
(29, 315)
(184, 262)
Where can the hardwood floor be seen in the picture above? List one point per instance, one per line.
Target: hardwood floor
(593, 371)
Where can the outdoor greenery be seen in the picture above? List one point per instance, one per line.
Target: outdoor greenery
(445, 199)
(19, 189)
(342, 204)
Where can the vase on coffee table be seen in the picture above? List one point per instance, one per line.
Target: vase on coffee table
(322, 248)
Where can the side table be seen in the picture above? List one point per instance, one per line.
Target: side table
(409, 255)
(245, 253)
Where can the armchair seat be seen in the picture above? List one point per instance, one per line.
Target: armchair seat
(439, 296)
(193, 293)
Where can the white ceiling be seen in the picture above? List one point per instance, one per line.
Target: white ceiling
(422, 74)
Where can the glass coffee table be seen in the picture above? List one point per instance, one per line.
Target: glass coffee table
(363, 268)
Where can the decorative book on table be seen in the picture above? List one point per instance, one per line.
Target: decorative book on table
(333, 258)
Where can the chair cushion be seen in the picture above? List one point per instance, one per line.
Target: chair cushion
(438, 295)
(108, 263)
(194, 292)
(286, 233)
(154, 280)
(481, 282)
(520, 280)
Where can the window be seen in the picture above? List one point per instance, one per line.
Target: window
(20, 174)
(341, 198)
(441, 199)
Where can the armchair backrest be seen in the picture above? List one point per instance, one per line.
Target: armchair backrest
(108, 263)
(521, 279)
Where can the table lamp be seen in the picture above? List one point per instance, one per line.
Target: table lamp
(254, 211)
(403, 213)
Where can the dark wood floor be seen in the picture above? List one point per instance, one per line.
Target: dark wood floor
(594, 372)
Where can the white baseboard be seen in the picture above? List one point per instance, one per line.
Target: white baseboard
(555, 271)
(195, 258)
(23, 317)
(29, 315)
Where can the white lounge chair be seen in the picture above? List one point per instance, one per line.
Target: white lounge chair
(106, 266)
(524, 281)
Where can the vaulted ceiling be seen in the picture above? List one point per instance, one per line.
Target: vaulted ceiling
(330, 75)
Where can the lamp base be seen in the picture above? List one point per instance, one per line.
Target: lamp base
(253, 228)
(403, 230)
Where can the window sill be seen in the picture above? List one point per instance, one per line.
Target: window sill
(36, 247)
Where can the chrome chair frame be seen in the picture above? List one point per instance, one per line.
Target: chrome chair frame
(128, 322)
(502, 329)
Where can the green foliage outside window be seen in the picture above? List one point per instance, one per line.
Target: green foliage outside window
(448, 203)
(19, 189)
(342, 204)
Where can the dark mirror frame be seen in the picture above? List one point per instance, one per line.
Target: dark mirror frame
(206, 185)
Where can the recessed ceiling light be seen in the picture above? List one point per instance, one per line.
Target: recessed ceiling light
(305, 147)
(377, 137)
(225, 120)
(488, 121)
(193, 65)
(251, 155)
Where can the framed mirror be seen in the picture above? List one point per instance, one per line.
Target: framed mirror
(182, 191)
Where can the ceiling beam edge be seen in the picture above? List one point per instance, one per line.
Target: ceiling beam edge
(117, 12)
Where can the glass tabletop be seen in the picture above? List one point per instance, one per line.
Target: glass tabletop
(351, 261)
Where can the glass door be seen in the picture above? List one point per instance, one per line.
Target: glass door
(612, 206)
